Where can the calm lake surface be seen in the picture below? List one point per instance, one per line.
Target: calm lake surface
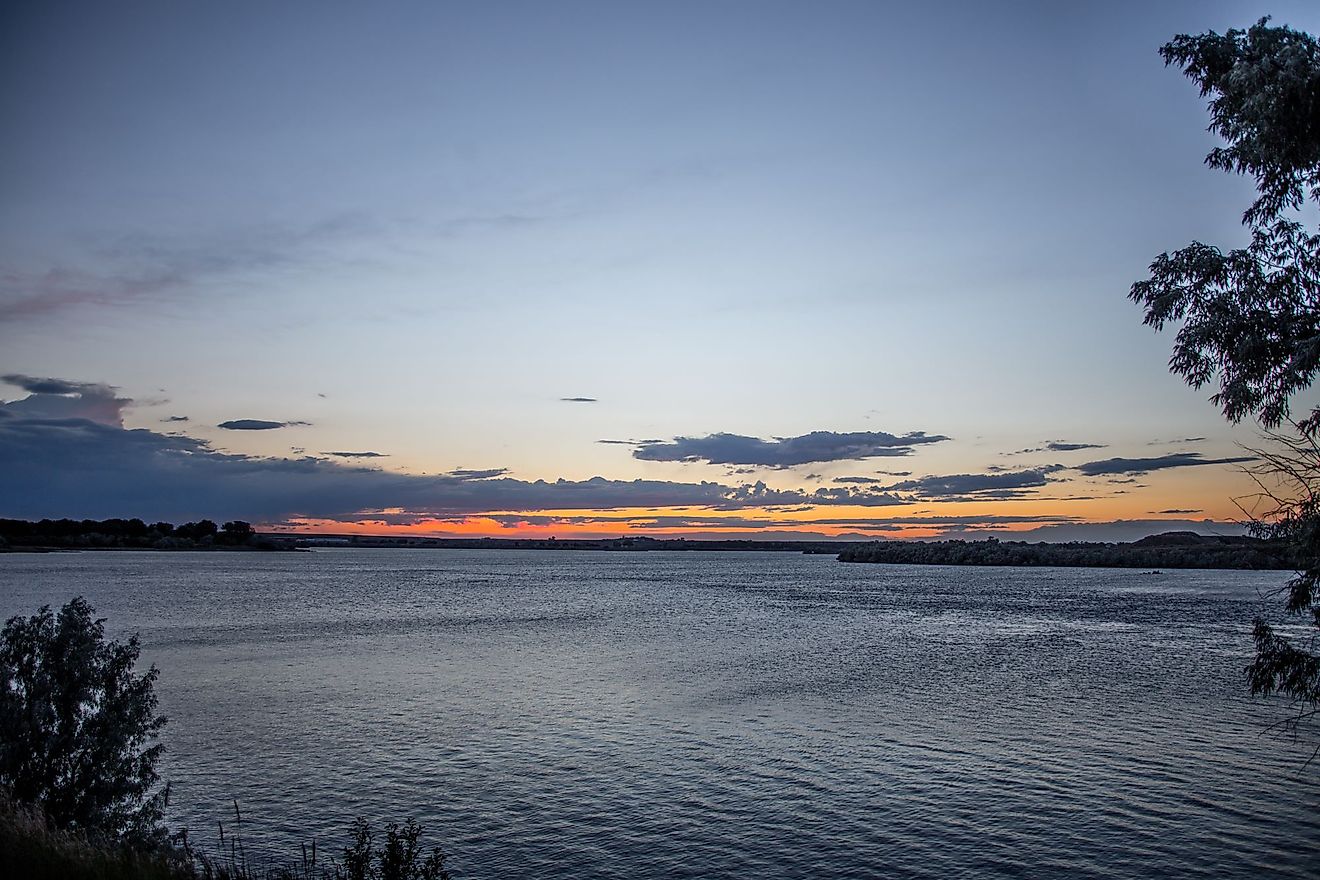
(713, 714)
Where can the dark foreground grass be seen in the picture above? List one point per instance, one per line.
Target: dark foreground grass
(31, 847)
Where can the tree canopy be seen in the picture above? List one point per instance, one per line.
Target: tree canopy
(78, 725)
(1251, 316)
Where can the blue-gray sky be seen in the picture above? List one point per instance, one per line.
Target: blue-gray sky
(471, 238)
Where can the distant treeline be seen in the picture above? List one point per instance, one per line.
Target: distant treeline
(1169, 550)
(131, 534)
(628, 544)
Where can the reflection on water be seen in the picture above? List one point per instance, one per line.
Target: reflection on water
(715, 715)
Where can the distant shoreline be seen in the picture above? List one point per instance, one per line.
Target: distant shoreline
(1173, 550)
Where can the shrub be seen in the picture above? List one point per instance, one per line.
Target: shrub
(78, 726)
(401, 857)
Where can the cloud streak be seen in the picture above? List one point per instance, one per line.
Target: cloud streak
(817, 446)
(257, 425)
(1126, 466)
(147, 268)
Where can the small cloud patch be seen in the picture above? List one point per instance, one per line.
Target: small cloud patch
(256, 425)
(487, 474)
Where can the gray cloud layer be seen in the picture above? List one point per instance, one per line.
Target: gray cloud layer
(981, 486)
(818, 446)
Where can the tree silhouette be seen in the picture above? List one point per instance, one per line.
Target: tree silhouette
(77, 725)
(1251, 316)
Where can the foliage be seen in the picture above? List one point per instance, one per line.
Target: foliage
(1251, 317)
(34, 848)
(1289, 477)
(77, 725)
(134, 534)
(400, 858)
(236, 532)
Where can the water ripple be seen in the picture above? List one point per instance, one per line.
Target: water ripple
(715, 715)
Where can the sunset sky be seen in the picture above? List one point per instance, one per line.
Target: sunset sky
(585, 269)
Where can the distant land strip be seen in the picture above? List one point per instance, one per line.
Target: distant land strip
(1167, 550)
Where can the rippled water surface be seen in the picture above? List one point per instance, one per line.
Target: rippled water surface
(714, 714)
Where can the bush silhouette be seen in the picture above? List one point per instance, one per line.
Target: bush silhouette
(78, 726)
(401, 858)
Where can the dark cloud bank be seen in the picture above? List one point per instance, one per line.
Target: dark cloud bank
(70, 456)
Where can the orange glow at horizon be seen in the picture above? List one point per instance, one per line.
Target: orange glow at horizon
(898, 521)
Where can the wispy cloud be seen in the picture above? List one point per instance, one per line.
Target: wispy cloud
(138, 268)
(578, 400)
(1056, 446)
(1170, 442)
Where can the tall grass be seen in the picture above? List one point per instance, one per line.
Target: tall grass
(32, 847)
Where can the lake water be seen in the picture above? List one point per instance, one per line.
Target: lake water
(596, 715)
